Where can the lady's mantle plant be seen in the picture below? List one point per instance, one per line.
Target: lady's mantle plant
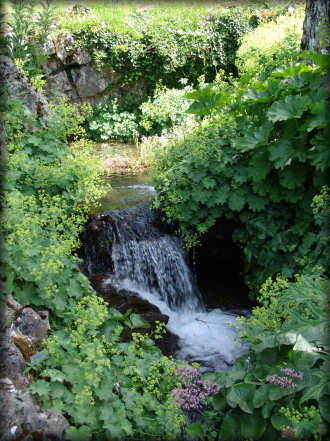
(109, 389)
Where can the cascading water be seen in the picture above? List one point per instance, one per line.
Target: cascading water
(151, 263)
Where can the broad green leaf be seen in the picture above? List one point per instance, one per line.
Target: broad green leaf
(252, 426)
(256, 203)
(231, 428)
(293, 176)
(259, 166)
(279, 421)
(195, 430)
(206, 100)
(242, 395)
(293, 106)
(54, 374)
(319, 154)
(208, 182)
(257, 96)
(324, 404)
(221, 194)
(281, 152)
(219, 401)
(294, 68)
(237, 200)
(261, 396)
(323, 60)
(138, 321)
(84, 433)
(312, 393)
(256, 138)
(58, 390)
(275, 392)
(40, 387)
(267, 408)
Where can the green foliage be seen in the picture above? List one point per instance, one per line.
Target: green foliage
(269, 46)
(50, 188)
(259, 160)
(111, 122)
(28, 31)
(108, 388)
(165, 109)
(69, 119)
(287, 336)
(165, 50)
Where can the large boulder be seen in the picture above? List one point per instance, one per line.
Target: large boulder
(14, 84)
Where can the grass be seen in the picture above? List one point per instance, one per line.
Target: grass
(119, 14)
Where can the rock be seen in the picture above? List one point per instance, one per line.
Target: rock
(64, 46)
(80, 56)
(12, 363)
(18, 86)
(47, 48)
(35, 325)
(59, 85)
(52, 65)
(21, 418)
(68, 52)
(90, 82)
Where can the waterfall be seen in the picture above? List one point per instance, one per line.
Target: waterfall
(143, 259)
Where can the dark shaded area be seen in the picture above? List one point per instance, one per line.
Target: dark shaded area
(218, 267)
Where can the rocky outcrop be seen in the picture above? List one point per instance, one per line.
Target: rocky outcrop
(21, 418)
(13, 84)
(71, 72)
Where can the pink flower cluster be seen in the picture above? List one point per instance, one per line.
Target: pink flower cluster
(192, 395)
(286, 381)
(288, 433)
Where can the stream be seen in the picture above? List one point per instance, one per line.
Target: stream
(127, 244)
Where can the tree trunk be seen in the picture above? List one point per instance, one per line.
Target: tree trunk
(316, 30)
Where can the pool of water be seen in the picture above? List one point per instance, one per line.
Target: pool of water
(127, 190)
(115, 149)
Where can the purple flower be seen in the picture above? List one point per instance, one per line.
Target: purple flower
(286, 381)
(288, 433)
(194, 391)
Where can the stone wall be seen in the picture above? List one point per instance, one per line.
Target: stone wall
(72, 73)
(21, 418)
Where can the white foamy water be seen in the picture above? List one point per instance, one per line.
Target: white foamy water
(204, 336)
(153, 264)
(140, 187)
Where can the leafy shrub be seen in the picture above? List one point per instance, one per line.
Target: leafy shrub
(163, 51)
(70, 119)
(260, 161)
(110, 122)
(166, 109)
(49, 190)
(109, 388)
(278, 389)
(268, 46)
(151, 144)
